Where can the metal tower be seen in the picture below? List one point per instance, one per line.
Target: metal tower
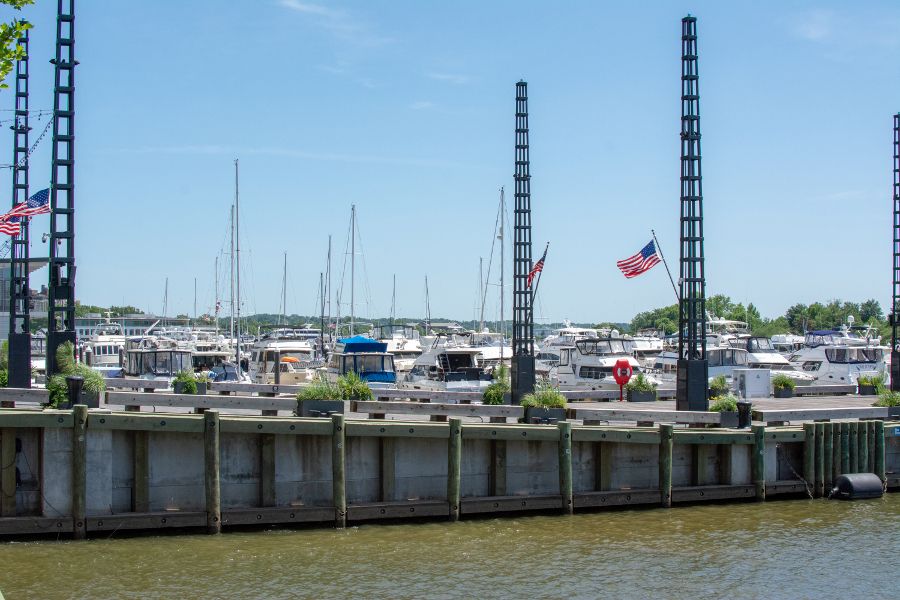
(61, 309)
(895, 307)
(19, 309)
(523, 317)
(692, 365)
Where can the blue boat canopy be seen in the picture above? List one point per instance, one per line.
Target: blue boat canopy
(360, 343)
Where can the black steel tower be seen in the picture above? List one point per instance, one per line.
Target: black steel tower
(692, 365)
(61, 309)
(19, 309)
(895, 306)
(523, 317)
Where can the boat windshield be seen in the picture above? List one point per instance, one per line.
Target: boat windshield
(760, 344)
(854, 355)
(608, 346)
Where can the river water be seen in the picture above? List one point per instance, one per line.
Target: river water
(776, 549)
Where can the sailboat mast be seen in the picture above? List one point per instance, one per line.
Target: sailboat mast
(328, 278)
(166, 299)
(427, 309)
(481, 292)
(231, 253)
(237, 258)
(216, 306)
(195, 298)
(352, 267)
(284, 293)
(393, 304)
(502, 264)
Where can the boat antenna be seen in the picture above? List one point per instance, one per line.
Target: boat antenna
(393, 304)
(237, 258)
(352, 267)
(427, 309)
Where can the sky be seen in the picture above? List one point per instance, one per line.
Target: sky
(406, 109)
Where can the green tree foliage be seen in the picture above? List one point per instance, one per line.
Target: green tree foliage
(10, 50)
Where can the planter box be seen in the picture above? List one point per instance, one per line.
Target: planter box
(319, 408)
(544, 415)
(91, 399)
(201, 387)
(729, 418)
(634, 396)
(784, 392)
(178, 387)
(866, 390)
(893, 412)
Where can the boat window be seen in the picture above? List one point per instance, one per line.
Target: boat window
(367, 363)
(760, 345)
(714, 358)
(611, 346)
(594, 372)
(811, 365)
(564, 357)
(388, 364)
(837, 355)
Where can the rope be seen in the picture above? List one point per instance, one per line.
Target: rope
(34, 146)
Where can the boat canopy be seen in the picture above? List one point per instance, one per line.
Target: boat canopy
(360, 343)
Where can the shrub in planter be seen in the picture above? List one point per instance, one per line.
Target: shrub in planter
(58, 391)
(202, 380)
(353, 388)
(497, 392)
(319, 398)
(185, 383)
(640, 389)
(870, 385)
(726, 403)
(718, 386)
(889, 400)
(544, 404)
(93, 386)
(4, 378)
(783, 385)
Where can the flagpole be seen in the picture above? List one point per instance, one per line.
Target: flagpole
(666, 265)
(541, 272)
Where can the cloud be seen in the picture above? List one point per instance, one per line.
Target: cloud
(231, 151)
(343, 25)
(448, 78)
(421, 105)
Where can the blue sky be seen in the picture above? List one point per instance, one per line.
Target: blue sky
(406, 109)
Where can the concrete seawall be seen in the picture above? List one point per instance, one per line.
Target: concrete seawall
(151, 471)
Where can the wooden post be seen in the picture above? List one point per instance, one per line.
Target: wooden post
(862, 459)
(845, 448)
(267, 494)
(879, 450)
(338, 470)
(854, 447)
(498, 468)
(140, 491)
(565, 466)
(7, 472)
(79, 471)
(759, 460)
(827, 456)
(870, 444)
(666, 438)
(211, 471)
(809, 455)
(836, 451)
(820, 460)
(387, 468)
(725, 467)
(454, 467)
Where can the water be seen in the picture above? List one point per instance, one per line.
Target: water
(778, 549)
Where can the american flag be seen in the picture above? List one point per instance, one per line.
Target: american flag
(641, 262)
(38, 204)
(538, 266)
(10, 225)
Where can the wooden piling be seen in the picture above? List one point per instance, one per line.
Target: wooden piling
(498, 468)
(862, 462)
(79, 471)
(820, 462)
(870, 435)
(338, 470)
(565, 466)
(386, 468)
(666, 439)
(7, 472)
(140, 491)
(827, 465)
(759, 461)
(454, 467)
(836, 451)
(809, 455)
(854, 447)
(879, 450)
(212, 473)
(267, 494)
(845, 448)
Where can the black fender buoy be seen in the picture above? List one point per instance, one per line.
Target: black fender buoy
(857, 486)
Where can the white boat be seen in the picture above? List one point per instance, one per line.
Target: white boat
(831, 359)
(589, 362)
(294, 357)
(366, 357)
(449, 364)
(787, 343)
(761, 354)
(720, 361)
(403, 342)
(156, 358)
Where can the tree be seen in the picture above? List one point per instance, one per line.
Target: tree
(797, 317)
(10, 50)
(869, 310)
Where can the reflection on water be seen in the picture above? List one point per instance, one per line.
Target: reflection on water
(776, 549)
